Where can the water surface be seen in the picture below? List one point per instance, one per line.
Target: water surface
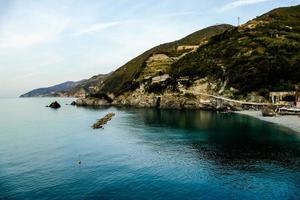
(142, 154)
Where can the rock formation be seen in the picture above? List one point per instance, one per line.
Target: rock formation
(54, 105)
(268, 112)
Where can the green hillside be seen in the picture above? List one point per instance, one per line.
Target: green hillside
(262, 55)
(123, 79)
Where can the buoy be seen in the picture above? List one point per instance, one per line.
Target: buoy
(79, 160)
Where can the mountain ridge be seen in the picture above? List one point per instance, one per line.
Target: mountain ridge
(170, 47)
(67, 89)
(48, 91)
(245, 63)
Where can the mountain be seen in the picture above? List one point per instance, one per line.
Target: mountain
(220, 62)
(48, 91)
(262, 55)
(85, 87)
(68, 89)
(130, 75)
(244, 63)
(123, 79)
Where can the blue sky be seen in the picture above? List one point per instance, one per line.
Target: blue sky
(45, 42)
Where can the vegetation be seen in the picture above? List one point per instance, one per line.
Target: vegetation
(123, 79)
(262, 54)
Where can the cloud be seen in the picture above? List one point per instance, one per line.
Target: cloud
(26, 40)
(107, 25)
(238, 3)
(96, 27)
(178, 14)
(23, 34)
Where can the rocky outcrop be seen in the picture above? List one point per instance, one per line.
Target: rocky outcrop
(54, 105)
(166, 100)
(268, 112)
(92, 102)
(173, 100)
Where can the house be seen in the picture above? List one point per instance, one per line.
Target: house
(291, 98)
(162, 78)
(187, 47)
(183, 78)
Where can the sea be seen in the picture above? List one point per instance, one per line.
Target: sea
(142, 154)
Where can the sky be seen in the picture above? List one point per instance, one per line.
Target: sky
(46, 42)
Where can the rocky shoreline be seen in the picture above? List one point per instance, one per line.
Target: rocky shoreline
(189, 101)
(183, 102)
(151, 101)
(169, 100)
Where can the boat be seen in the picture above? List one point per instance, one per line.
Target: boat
(288, 111)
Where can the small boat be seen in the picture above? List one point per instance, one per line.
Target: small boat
(288, 111)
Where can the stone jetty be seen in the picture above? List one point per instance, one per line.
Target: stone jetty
(101, 122)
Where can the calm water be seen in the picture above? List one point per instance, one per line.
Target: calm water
(142, 154)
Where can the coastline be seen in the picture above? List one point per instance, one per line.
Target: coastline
(289, 121)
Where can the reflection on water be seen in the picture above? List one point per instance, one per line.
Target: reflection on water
(142, 154)
(228, 138)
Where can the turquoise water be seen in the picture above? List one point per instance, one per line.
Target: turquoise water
(142, 154)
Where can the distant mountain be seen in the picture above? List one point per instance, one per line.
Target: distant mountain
(84, 87)
(121, 79)
(68, 89)
(49, 91)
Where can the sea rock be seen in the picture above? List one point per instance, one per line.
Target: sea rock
(267, 112)
(101, 122)
(54, 105)
(73, 103)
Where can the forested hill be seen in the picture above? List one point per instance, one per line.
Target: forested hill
(261, 55)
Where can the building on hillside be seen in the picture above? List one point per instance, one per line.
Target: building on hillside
(187, 47)
(291, 98)
(159, 79)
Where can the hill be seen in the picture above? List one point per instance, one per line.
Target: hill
(68, 89)
(48, 91)
(243, 63)
(262, 55)
(128, 77)
(218, 63)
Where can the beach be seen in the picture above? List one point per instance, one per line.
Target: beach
(289, 121)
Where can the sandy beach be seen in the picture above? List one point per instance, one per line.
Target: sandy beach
(289, 121)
